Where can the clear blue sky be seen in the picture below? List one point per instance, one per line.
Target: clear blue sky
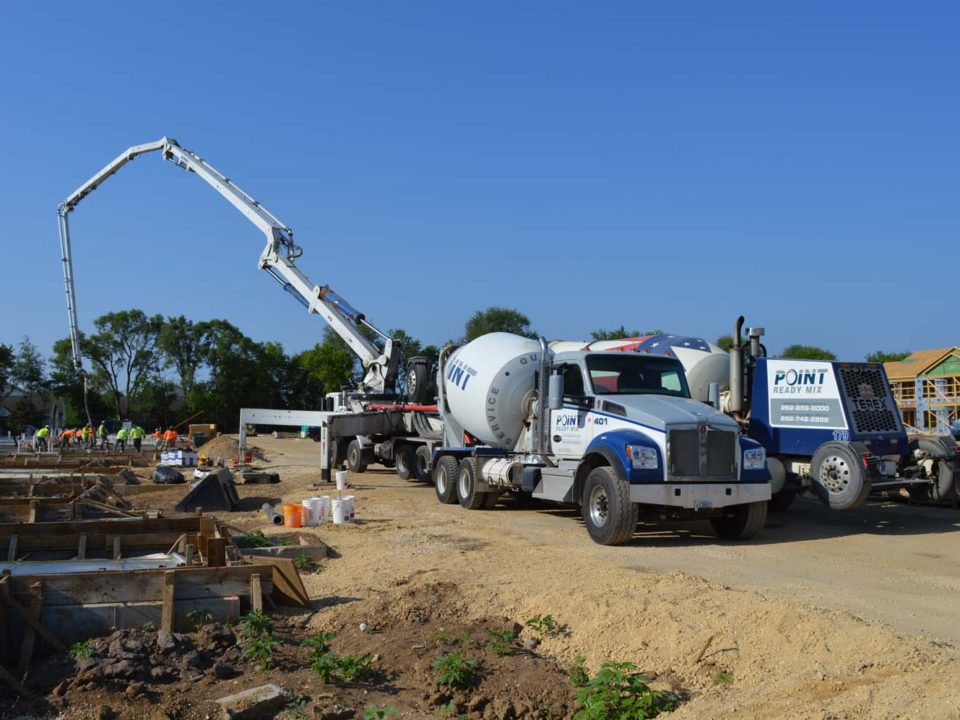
(658, 165)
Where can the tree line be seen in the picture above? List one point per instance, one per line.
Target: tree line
(161, 370)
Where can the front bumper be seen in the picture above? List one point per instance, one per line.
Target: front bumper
(700, 496)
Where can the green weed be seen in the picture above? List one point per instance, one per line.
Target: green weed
(296, 710)
(375, 713)
(501, 643)
(578, 672)
(149, 626)
(724, 677)
(302, 562)
(545, 626)
(619, 691)
(258, 644)
(81, 650)
(253, 539)
(442, 637)
(199, 618)
(454, 670)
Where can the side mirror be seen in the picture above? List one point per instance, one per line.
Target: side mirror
(555, 396)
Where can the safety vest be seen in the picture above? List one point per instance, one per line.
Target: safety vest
(137, 433)
(87, 432)
(102, 430)
(122, 434)
(43, 432)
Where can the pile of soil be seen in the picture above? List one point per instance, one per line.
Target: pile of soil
(401, 633)
(228, 447)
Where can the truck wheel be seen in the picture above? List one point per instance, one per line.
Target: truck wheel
(740, 522)
(490, 500)
(943, 484)
(609, 515)
(445, 480)
(837, 477)
(418, 379)
(355, 461)
(467, 493)
(782, 500)
(406, 461)
(423, 458)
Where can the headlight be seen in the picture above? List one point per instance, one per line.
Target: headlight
(643, 457)
(754, 459)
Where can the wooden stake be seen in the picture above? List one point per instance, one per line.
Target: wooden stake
(166, 618)
(256, 593)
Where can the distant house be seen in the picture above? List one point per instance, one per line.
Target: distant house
(926, 387)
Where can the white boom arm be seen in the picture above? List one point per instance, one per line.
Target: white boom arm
(278, 259)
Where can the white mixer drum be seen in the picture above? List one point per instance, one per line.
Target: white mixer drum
(703, 368)
(488, 383)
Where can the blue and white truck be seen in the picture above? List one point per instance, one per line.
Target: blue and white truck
(831, 428)
(616, 433)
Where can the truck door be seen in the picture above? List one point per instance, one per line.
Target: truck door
(569, 432)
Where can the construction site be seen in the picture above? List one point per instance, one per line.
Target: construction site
(227, 506)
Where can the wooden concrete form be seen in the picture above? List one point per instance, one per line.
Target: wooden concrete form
(30, 499)
(43, 612)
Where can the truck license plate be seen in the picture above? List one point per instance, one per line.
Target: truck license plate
(702, 505)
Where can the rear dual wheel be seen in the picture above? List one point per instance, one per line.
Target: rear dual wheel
(406, 459)
(445, 480)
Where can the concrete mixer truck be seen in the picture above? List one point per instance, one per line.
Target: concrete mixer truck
(830, 428)
(616, 433)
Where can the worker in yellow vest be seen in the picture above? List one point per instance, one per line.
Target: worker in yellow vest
(122, 434)
(102, 434)
(136, 434)
(41, 437)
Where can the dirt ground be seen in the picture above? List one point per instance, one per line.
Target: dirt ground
(825, 615)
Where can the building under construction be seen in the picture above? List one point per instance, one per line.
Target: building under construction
(926, 387)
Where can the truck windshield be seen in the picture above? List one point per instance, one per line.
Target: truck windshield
(632, 374)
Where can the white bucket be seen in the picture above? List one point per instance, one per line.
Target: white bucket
(341, 511)
(326, 509)
(342, 482)
(312, 512)
(351, 502)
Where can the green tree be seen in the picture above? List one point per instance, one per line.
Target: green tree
(725, 342)
(66, 382)
(6, 367)
(884, 357)
(806, 352)
(124, 354)
(29, 369)
(497, 319)
(183, 343)
(331, 362)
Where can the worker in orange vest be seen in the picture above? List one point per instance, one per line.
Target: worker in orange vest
(170, 438)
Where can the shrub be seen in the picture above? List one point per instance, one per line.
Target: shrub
(454, 670)
(500, 643)
(619, 691)
(81, 650)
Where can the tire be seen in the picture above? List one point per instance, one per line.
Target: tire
(418, 380)
(782, 500)
(837, 477)
(490, 500)
(467, 494)
(445, 480)
(355, 462)
(944, 483)
(740, 522)
(609, 515)
(406, 462)
(339, 454)
(422, 464)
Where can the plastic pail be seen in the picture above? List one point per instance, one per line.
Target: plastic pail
(292, 515)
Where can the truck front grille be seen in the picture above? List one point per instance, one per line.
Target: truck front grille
(868, 396)
(710, 455)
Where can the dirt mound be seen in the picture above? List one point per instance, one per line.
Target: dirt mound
(228, 447)
(140, 673)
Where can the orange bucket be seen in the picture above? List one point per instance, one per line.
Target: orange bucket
(292, 515)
